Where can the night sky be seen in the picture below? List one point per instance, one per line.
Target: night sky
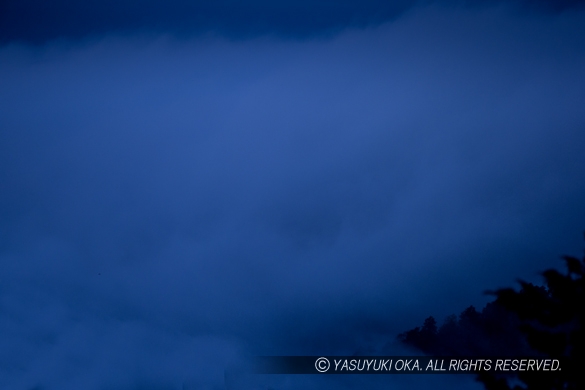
(187, 184)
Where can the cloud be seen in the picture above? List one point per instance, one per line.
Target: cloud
(166, 200)
(35, 21)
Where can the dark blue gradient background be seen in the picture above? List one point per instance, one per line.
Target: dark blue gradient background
(183, 189)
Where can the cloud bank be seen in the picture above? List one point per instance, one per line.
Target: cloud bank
(36, 21)
(171, 207)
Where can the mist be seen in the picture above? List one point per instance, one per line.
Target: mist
(172, 206)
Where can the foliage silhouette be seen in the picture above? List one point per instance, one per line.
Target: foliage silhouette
(546, 321)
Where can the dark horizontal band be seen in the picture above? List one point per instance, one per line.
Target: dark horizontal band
(410, 365)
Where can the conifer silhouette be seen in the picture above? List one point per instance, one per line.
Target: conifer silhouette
(546, 321)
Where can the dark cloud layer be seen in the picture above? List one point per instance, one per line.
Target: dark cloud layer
(37, 21)
(168, 208)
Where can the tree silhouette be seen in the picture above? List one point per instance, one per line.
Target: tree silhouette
(546, 321)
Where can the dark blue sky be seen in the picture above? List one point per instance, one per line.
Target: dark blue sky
(38, 21)
(177, 196)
